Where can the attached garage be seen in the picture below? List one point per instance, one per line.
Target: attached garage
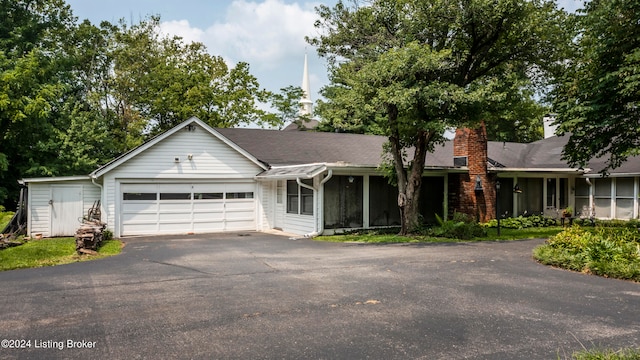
(189, 179)
(174, 208)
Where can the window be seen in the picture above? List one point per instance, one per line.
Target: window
(208, 196)
(602, 197)
(299, 199)
(139, 196)
(557, 193)
(624, 198)
(239, 195)
(175, 196)
(279, 191)
(582, 198)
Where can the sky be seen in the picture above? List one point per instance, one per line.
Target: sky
(266, 34)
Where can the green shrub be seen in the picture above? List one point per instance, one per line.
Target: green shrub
(522, 222)
(611, 252)
(462, 227)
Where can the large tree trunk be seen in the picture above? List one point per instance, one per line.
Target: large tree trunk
(409, 180)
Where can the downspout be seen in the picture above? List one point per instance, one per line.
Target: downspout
(106, 214)
(319, 225)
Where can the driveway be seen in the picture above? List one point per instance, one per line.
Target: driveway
(263, 296)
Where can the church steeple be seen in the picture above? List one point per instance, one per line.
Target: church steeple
(306, 105)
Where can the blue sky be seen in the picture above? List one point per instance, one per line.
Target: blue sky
(267, 34)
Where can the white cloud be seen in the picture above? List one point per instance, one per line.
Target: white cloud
(183, 29)
(261, 33)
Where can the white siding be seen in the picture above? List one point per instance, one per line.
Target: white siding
(299, 224)
(39, 210)
(211, 160)
(266, 204)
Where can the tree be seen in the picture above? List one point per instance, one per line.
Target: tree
(73, 96)
(597, 98)
(159, 81)
(32, 35)
(412, 68)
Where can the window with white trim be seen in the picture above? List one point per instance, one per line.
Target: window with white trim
(299, 198)
(583, 209)
(602, 197)
(624, 198)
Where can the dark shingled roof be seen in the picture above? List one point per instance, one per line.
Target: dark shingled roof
(539, 154)
(278, 148)
(547, 154)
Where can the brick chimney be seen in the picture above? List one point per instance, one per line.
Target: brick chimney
(472, 193)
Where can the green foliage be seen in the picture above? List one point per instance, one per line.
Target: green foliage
(625, 354)
(462, 227)
(410, 69)
(107, 234)
(611, 252)
(74, 96)
(522, 222)
(597, 95)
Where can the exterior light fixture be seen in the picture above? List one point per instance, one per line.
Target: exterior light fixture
(517, 189)
(351, 179)
(478, 187)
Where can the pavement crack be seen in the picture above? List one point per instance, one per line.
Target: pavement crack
(180, 266)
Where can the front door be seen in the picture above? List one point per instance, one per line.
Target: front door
(65, 206)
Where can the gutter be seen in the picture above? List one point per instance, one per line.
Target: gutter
(532, 170)
(106, 214)
(319, 226)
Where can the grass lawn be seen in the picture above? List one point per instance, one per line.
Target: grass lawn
(48, 252)
(628, 354)
(5, 217)
(492, 235)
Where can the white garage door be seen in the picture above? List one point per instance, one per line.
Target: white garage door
(186, 208)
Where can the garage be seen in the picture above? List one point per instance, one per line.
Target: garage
(177, 208)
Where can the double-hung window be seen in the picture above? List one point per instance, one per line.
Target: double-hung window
(299, 198)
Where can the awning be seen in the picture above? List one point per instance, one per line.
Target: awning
(306, 171)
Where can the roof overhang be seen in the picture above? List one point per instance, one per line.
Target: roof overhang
(308, 171)
(536, 170)
(304, 171)
(55, 179)
(600, 175)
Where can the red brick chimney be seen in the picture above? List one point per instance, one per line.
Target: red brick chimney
(472, 193)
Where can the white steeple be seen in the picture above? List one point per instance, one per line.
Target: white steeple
(306, 105)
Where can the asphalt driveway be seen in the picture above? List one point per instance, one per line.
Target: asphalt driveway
(262, 296)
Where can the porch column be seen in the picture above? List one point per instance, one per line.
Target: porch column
(365, 201)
